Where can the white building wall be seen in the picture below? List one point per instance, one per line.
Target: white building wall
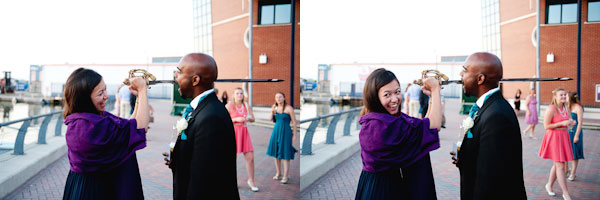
(53, 78)
(343, 75)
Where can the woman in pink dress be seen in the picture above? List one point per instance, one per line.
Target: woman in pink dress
(556, 144)
(241, 113)
(531, 115)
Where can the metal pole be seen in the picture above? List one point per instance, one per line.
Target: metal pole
(579, 50)
(251, 17)
(293, 46)
(537, 56)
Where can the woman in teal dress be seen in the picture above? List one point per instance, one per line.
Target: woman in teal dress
(282, 138)
(575, 132)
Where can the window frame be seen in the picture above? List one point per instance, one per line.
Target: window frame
(561, 3)
(274, 3)
(588, 10)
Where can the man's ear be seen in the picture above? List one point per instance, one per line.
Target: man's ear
(480, 79)
(196, 80)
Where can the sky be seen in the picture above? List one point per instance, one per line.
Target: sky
(133, 31)
(83, 32)
(380, 31)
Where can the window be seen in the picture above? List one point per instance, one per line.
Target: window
(594, 11)
(559, 12)
(203, 26)
(275, 12)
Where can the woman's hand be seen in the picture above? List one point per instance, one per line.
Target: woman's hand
(430, 84)
(138, 83)
(572, 122)
(575, 140)
(239, 119)
(569, 122)
(133, 92)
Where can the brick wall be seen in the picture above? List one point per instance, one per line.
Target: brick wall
(561, 40)
(275, 42)
(232, 55)
(518, 52)
(229, 50)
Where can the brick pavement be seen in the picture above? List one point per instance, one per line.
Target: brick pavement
(157, 178)
(341, 182)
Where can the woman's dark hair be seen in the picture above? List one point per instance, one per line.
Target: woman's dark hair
(78, 92)
(573, 100)
(224, 97)
(376, 80)
(284, 103)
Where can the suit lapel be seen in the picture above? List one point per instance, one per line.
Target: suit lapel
(201, 106)
(486, 104)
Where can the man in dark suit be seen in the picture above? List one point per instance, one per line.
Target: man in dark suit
(203, 160)
(490, 159)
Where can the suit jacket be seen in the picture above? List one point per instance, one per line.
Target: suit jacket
(491, 163)
(204, 165)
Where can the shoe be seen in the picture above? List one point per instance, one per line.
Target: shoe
(571, 178)
(284, 180)
(548, 190)
(253, 188)
(276, 177)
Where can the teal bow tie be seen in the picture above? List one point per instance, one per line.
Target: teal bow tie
(474, 110)
(186, 115)
(188, 112)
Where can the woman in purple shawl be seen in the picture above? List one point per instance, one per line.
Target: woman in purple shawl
(101, 146)
(394, 146)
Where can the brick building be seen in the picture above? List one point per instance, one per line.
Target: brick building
(221, 29)
(516, 22)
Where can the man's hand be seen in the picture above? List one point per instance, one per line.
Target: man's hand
(167, 158)
(454, 158)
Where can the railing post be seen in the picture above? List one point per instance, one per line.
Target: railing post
(348, 122)
(21, 138)
(308, 137)
(58, 128)
(43, 128)
(358, 124)
(331, 130)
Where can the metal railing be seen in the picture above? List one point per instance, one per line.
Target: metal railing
(308, 137)
(20, 140)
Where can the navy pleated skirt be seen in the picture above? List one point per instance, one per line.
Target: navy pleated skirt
(414, 182)
(123, 182)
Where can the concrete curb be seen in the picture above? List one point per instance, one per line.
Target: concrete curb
(327, 157)
(15, 170)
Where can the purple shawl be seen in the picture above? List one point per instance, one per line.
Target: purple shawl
(388, 142)
(98, 144)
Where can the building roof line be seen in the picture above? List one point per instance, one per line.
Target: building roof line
(407, 64)
(230, 19)
(518, 18)
(110, 65)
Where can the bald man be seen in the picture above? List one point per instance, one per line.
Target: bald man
(203, 159)
(490, 159)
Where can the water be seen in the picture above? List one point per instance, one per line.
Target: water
(310, 110)
(15, 111)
